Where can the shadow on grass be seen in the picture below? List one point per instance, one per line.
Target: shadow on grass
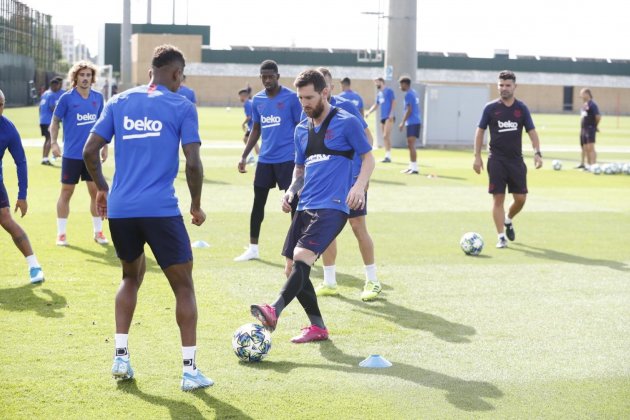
(345, 280)
(24, 298)
(385, 182)
(463, 394)
(182, 410)
(441, 328)
(270, 263)
(551, 254)
(110, 258)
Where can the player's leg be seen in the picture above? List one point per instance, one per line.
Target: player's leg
(46, 146)
(387, 139)
(517, 186)
(372, 287)
(498, 216)
(20, 239)
(97, 222)
(329, 286)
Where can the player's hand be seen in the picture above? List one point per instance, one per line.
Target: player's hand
(400, 126)
(101, 204)
(538, 162)
(56, 151)
(104, 154)
(356, 198)
(22, 205)
(198, 216)
(242, 165)
(478, 164)
(287, 199)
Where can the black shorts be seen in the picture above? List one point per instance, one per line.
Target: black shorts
(313, 230)
(44, 129)
(4, 196)
(72, 170)
(587, 135)
(384, 120)
(510, 172)
(167, 237)
(413, 130)
(357, 213)
(270, 174)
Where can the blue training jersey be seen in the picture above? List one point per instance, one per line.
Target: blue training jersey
(47, 105)
(412, 100)
(351, 108)
(328, 178)
(78, 116)
(10, 139)
(187, 93)
(506, 127)
(385, 98)
(352, 96)
(247, 108)
(148, 123)
(277, 117)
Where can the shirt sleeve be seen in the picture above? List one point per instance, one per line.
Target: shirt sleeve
(300, 158)
(528, 123)
(62, 105)
(355, 134)
(104, 126)
(485, 118)
(255, 113)
(19, 157)
(296, 109)
(190, 126)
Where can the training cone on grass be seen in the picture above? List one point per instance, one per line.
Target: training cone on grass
(375, 361)
(200, 244)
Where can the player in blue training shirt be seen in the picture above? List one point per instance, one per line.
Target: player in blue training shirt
(46, 107)
(187, 92)
(506, 117)
(386, 101)
(275, 113)
(78, 108)
(412, 121)
(244, 97)
(324, 146)
(149, 123)
(10, 139)
(590, 118)
(349, 95)
(356, 218)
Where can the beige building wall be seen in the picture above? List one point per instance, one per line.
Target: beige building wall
(142, 46)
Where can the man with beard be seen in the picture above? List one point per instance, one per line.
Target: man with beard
(506, 116)
(275, 113)
(325, 144)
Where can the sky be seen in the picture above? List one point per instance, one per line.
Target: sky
(560, 28)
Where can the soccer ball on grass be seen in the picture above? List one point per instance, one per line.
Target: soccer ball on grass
(556, 165)
(471, 243)
(251, 342)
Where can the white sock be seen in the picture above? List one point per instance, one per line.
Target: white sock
(253, 247)
(413, 166)
(388, 155)
(45, 159)
(507, 220)
(370, 273)
(188, 354)
(97, 222)
(121, 341)
(61, 226)
(502, 236)
(32, 262)
(330, 277)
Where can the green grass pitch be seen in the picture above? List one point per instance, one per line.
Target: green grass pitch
(538, 330)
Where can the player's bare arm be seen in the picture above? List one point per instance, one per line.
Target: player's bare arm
(478, 163)
(251, 142)
(533, 136)
(54, 135)
(194, 178)
(94, 144)
(294, 189)
(356, 195)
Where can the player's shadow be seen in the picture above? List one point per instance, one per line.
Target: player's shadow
(269, 263)
(465, 395)
(110, 258)
(385, 182)
(180, 409)
(344, 279)
(441, 328)
(24, 298)
(552, 254)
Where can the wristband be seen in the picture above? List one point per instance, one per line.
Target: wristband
(538, 153)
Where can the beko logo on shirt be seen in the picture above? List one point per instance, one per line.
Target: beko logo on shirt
(83, 119)
(150, 128)
(271, 120)
(507, 126)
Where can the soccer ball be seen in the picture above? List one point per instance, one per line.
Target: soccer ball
(596, 169)
(626, 168)
(556, 165)
(471, 243)
(251, 342)
(609, 169)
